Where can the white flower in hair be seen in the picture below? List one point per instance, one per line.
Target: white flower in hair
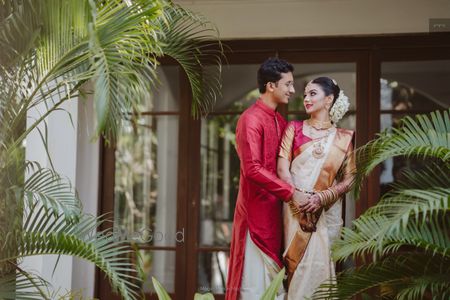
(339, 108)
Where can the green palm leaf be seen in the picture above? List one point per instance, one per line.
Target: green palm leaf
(43, 235)
(406, 233)
(52, 191)
(51, 48)
(408, 277)
(422, 137)
(189, 40)
(370, 236)
(23, 285)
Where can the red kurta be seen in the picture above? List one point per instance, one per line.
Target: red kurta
(258, 207)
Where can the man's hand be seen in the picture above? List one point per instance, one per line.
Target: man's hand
(313, 204)
(300, 199)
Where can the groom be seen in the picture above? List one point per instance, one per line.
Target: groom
(256, 245)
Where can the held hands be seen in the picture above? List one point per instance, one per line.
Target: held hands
(313, 204)
(307, 203)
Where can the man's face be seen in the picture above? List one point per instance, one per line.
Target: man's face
(283, 89)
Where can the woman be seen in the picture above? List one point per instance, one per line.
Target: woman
(315, 157)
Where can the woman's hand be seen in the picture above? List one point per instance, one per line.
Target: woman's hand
(312, 205)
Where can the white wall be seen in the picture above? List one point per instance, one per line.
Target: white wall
(297, 18)
(62, 147)
(76, 157)
(87, 185)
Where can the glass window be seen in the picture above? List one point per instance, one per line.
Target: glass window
(146, 180)
(219, 179)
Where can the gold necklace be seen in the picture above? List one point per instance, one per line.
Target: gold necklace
(319, 148)
(319, 125)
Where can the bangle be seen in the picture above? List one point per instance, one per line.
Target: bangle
(328, 196)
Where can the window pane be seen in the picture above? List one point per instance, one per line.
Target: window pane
(212, 272)
(159, 264)
(146, 180)
(416, 85)
(219, 179)
(167, 91)
(343, 73)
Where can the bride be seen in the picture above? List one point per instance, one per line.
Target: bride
(316, 158)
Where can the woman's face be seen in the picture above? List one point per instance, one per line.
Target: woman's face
(315, 99)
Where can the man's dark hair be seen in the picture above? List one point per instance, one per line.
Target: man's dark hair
(270, 71)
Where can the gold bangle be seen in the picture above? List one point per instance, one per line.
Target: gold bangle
(335, 194)
(321, 198)
(327, 198)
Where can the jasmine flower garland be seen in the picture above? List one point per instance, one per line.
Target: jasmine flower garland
(339, 108)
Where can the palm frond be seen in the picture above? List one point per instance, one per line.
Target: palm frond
(44, 235)
(407, 276)
(23, 285)
(122, 76)
(411, 203)
(19, 28)
(192, 41)
(372, 236)
(430, 176)
(425, 136)
(55, 193)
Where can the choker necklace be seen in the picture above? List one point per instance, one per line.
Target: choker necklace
(319, 125)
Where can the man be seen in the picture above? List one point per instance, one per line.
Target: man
(256, 245)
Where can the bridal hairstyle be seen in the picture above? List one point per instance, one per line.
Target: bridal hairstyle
(270, 71)
(329, 86)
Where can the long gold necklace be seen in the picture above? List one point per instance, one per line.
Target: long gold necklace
(318, 144)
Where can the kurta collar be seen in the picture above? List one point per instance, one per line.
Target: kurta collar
(265, 108)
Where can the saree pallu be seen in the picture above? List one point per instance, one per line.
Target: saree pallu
(307, 256)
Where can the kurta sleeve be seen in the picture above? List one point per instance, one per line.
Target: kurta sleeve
(287, 142)
(249, 140)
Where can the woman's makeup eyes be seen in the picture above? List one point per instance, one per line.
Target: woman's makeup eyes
(311, 94)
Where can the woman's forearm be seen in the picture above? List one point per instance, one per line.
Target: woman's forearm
(283, 170)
